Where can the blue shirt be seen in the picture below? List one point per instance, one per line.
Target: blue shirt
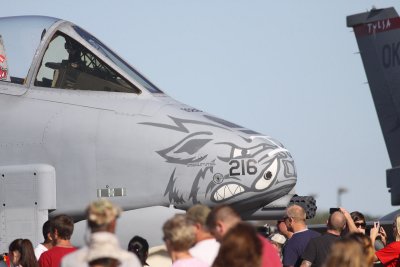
(295, 246)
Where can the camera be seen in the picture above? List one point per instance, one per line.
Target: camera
(332, 210)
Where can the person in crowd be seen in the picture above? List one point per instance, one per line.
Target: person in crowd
(346, 253)
(179, 237)
(206, 247)
(389, 255)
(223, 217)
(158, 256)
(47, 243)
(366, 246)
(240, 247)
(318, 248)
(102, 217)
(21, 253)
(278, 241)
(61, 229)
(282, 229)
(355, 221)
(293, 250)
(104, 251)
(140, 247)
(359, 221)
(105, 262)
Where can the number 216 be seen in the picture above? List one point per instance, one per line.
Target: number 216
(242, 167)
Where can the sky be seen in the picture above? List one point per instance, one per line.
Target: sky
(288, 69)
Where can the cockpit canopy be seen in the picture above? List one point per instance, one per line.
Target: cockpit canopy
(21, 37)
(67, 57)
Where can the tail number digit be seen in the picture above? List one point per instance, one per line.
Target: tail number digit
(242, 167)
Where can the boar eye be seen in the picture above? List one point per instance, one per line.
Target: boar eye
(268, 176)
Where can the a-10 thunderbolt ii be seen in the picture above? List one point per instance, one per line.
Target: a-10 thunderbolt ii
(79, 123)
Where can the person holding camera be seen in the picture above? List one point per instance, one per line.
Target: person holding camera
(390, 254)
(356, 223)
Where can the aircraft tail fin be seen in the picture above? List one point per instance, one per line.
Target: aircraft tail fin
(378, 37)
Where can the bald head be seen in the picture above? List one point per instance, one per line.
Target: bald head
(296, 212)
(336, 221)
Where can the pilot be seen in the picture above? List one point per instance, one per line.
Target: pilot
(74, 54)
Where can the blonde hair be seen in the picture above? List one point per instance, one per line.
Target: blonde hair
(179, 233)
(396, 223)
(346, 253)
(366, 246)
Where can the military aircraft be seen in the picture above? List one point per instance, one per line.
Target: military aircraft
(79, 123)
(378, 37)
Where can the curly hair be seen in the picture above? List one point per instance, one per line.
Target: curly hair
(179, 233)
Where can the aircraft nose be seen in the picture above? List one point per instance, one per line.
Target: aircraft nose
(255, 167)
(213, 161)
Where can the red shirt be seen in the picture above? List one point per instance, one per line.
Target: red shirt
(270, 256)
(389, 255)
(52, 257)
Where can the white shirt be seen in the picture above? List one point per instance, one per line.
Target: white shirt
(206, 250)
(39, 250)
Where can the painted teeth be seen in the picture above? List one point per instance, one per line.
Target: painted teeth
(228, 191)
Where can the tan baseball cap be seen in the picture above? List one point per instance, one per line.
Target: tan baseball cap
(102, 211)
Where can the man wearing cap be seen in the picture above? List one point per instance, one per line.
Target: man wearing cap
(206, 247)
(101, 217)
(104, 250)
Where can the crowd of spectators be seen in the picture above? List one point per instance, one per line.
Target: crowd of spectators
(213, 237)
